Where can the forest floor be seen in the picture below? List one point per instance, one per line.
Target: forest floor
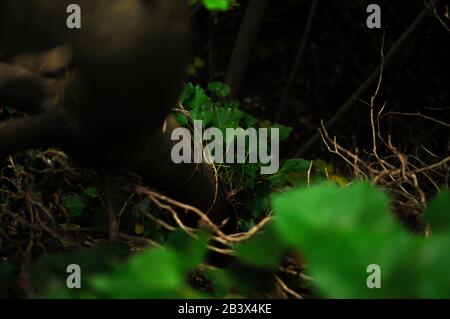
(411, 134)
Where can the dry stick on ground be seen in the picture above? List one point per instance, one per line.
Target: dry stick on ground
(298, 60)
(166, 203)
(372, 78)
(286, 289)
(391, 175)
(431, 167)
(245, 42)
(376, 133)
(396, 173)
(397, 179)
(181, 225)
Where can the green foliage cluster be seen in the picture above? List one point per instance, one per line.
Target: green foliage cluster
(216, 5)
(341, 231)
(338, 231)
(253, 189)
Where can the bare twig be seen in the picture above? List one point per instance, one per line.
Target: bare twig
(288, 290)
(395, 49)
(166, 203)
(418, 114)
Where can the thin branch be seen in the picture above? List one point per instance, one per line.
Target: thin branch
(166, 203)
(418, 114)
(395, 49)
(434, 166)
(298, 60)
(288, 290)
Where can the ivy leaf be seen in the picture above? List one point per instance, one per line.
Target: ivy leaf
(437, 214)
(48, 272)
(257, 204)
(295, 164)
(199, 98)
(198, 63)
(220, 89)
(285, 131)
(340, 231)
(181, 119)
(221, 5)
(187, 93)
(193, 97)
(293, 171)
(265, 250)
(92, 192)
(155, 273)
(74, 204)
(250, 121)
(228, 118)
(251, 171)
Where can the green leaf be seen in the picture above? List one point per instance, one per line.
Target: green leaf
(194, 252)
(191, 70)
(285, 131)
(293, 171)
(251, 173)
(433, 263)
(187, 93)
(437, 214)
(265, 250)
(198, 99)
(198, 63)
(250, 121)
(341, 231)
(328, 208)
(92, 192)
(228, 117)
(74, 204)
(220, 89)
(204, 113)
(48, 272)
(153, 273)
(181, 119)
(295, 165)
(156, 273)
(257, 204)
(220, 280)
(221, 5)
